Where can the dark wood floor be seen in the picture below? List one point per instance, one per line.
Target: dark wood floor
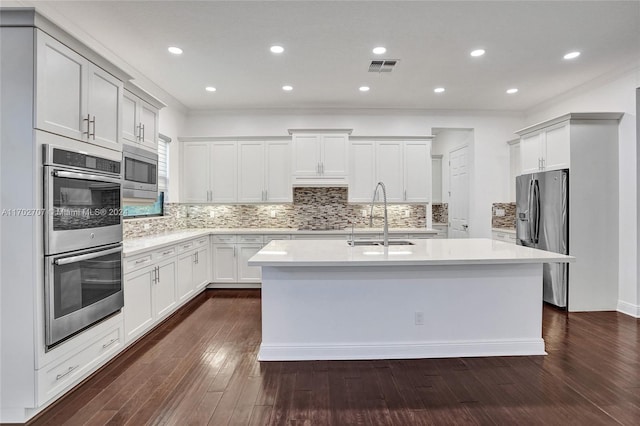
(200, 368)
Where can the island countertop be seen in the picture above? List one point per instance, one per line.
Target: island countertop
(292, 253)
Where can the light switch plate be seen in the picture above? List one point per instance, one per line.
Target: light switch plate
(273, 213)
(500, 212)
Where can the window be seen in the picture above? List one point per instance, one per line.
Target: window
(157, 208)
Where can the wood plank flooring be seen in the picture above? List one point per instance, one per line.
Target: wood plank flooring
(200, 368)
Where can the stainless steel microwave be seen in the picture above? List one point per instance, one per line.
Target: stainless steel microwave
(140, 173)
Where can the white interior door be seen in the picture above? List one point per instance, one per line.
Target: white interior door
(459, 193)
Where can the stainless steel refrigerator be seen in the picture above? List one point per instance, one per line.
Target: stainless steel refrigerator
(542, 222)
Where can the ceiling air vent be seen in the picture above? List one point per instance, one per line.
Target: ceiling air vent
(386, 65)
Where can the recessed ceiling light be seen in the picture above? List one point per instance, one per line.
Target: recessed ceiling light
(477, 52)
(277, 49)
(287, 88)
(572, 55)
(379, 50)
(175, 50)
(439, 89)
(210, 89)
(364, 88)
(512, 91)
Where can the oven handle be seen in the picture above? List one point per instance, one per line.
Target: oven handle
(79, 258)
(85, 176)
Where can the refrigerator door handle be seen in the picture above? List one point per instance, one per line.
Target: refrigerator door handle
(536, 218)
(530, 212)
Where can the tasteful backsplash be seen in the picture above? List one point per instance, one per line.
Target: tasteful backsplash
(312, 208)
(440, 213)
(509, 218)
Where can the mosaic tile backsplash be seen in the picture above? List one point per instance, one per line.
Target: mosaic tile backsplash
(312, 208)
(440, 213)
(509, 218)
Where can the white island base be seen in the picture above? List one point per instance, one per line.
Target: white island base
(417, 306)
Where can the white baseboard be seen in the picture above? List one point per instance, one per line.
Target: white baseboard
(628, 309)
(401, 351)
(235, 285)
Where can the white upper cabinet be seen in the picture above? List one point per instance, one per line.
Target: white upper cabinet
(196, 162)
(74, 97)
(417, 172)
(362, 177)
(263, 172)
(223, 172)
(404, 166)
(320, 157)
(389, 170)
(545, 149)
(140, 117)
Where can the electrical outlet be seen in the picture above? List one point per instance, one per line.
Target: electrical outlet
(364, 212)
(147, 226)
(273, 213)
(419, 317)
(500, 212)
(212, 214)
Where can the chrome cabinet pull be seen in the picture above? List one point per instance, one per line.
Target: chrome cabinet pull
(94, 128)
(88, 120)
(405, 195)
(266, 195)
(69, 371)
(157, 274)
(111, 342)
(141, 261)
(167, 252)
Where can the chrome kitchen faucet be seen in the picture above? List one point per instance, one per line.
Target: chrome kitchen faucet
(386, 221)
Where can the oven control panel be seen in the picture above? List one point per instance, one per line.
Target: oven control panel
(84, 161)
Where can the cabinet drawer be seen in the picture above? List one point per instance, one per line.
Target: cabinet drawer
(138, 262)
(199, 242)
(52, 380)
(186, 246)
(164, 253)
(250, 238)
(224, 238)
(420, 236)
(504, 236)
(271, 237)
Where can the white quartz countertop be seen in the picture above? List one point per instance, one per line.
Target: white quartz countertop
(133, 246)
(292, 253)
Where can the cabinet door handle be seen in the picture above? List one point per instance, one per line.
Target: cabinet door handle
(405, 195)
(69, 371)
(158, 273)
(94, 128)
(322, 168)
(142, 138)
(234, 251)
(266, 195)
(141, 261)
(88, 120)
(111, 342)
(167, 252)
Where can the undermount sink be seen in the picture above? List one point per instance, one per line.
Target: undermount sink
(379, 243)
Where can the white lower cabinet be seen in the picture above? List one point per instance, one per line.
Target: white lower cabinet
(68, 370)
(506, 236)
(224, 263)
(246, 273)
(156, 283)
(231, 254)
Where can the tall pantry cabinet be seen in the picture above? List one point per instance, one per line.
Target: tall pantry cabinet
(586, 144)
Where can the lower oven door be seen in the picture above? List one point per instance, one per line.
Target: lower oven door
(83, 210)
(81, 288)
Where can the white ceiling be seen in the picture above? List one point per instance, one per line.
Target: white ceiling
(328, 49)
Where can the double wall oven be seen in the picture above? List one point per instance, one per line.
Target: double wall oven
(83, 241)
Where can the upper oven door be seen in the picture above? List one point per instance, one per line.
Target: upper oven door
(83, 210)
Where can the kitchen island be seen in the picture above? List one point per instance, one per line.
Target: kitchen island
(432, 299)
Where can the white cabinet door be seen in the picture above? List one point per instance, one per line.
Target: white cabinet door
(335, 154)
(251, 172)
(389, 169)
(103, 106)
(278, 172)
(362, 177)
(60, 91)
(224, 263)
(130, 119)
(201, 268)
(164, 290)
(195, 172)
(138, 303)
(223, 171)
(530, 153)
(306, 155)
(556, 155)
(417, 172)
(185, 282)
(436, 179)
(246, 273)
(149, 125)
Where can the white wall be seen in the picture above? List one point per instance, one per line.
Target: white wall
(612, 93)
(490, 130)
(445, 141)
(171, 124)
